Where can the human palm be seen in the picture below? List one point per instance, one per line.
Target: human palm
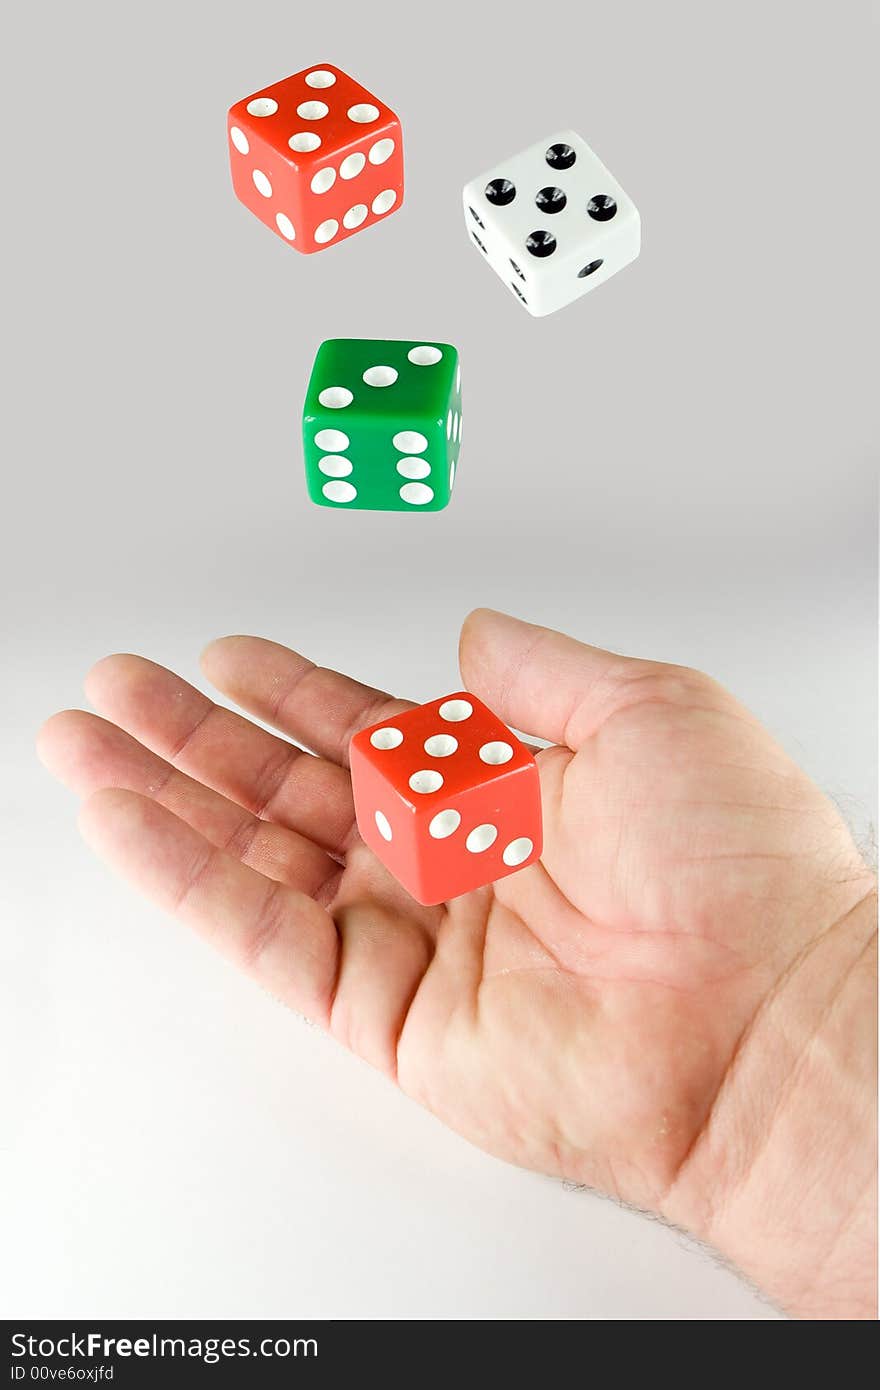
(580, 1016)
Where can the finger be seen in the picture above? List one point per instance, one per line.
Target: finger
(265, 774)
(87, 753)
(547, 684)
(317, 707)
(278, 936)
(536, 679)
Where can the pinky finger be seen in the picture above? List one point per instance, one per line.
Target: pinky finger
(280, 937)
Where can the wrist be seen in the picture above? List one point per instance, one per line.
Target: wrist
(781, 1179)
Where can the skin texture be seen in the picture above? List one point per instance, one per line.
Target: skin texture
(675, 1007)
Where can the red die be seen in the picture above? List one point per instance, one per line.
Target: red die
(316, 157)
(447, 797)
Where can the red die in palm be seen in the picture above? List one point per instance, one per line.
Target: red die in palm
(447, 797)
(316, 157)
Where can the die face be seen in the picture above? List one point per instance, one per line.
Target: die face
(499, 832)
(447, 797)
(382, 425)
(552, 222)
(385, 824)
(316, 157)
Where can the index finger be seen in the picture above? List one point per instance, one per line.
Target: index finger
(317, 707)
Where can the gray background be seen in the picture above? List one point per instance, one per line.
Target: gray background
(678, 466)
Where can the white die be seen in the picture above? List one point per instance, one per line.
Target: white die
(552, 222)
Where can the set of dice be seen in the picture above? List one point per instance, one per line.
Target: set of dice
(447, 797)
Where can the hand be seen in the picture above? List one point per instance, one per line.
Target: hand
(650, 1010)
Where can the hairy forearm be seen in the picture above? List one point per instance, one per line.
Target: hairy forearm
(783, 1179)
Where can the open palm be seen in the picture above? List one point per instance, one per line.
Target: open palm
(579, 1017)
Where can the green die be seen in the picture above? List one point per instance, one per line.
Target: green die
(382, 425)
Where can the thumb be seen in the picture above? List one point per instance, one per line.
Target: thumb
(538, 680)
